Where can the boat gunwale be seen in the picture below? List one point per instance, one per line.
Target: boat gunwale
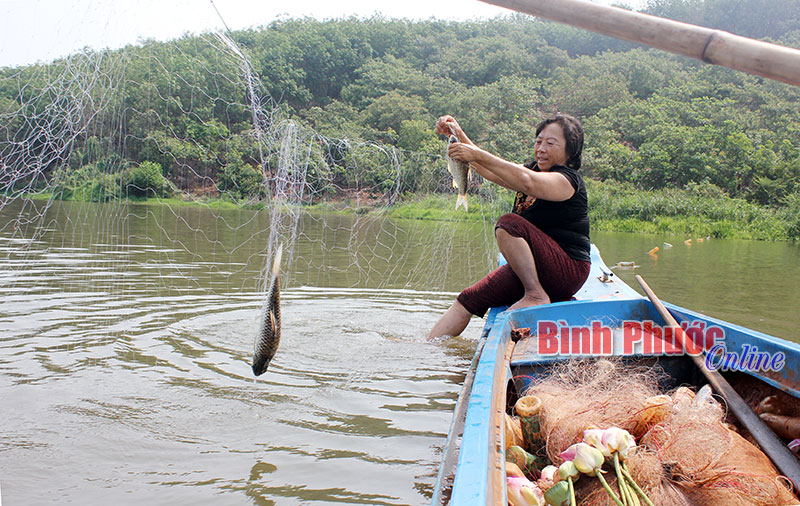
(477, 444)
(447, 469)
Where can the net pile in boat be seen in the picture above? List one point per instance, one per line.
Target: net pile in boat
(686, 453)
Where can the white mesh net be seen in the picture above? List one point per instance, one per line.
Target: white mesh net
(81, 135)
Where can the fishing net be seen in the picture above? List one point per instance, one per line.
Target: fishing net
(144, 192)
(686, 453)
(712, 463)
(586, 393)
(235, 175)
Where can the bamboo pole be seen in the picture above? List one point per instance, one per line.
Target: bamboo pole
(711, 46)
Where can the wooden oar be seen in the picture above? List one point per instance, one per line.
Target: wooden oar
(783, 459)
(711, 46)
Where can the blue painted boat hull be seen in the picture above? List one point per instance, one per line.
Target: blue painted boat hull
(472, 471)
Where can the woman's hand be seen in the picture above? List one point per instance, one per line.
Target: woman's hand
(447, 125)
(463, 152)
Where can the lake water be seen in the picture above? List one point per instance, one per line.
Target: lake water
(126, 336)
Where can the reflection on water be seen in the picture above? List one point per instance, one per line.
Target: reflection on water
(126, 336)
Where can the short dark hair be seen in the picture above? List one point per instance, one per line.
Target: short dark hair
(573, 133)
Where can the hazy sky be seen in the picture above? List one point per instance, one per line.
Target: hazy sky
(40, 30)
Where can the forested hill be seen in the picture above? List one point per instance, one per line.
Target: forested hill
(751, 18)
(652, 119)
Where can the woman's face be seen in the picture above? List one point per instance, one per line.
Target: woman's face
(551, 147)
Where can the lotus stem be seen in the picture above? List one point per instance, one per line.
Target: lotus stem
(634, 496)
(528, 409)
(636, 487)
(608, 489)
(624, 493)
(572, 501)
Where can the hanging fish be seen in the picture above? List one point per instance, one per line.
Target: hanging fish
(269, 336)
(461, 176)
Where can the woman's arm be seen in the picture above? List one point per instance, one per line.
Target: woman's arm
(545, 185)
(490, 176)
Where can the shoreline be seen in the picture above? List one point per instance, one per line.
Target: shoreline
(612, 208)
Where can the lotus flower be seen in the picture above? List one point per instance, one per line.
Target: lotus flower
(618, 440)
(568, 470)
(594, 437)
(587, 459)
(521, 492)
(569, 453)
(550, 473)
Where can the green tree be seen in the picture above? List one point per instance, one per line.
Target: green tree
(147, 180)
(388, 112)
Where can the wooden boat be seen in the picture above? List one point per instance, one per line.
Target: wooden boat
(473, 464)
(472, 470)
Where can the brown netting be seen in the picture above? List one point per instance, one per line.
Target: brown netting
(713, 464)
(686, 454)
(581, 394)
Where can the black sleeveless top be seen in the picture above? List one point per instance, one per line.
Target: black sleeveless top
(567, 222)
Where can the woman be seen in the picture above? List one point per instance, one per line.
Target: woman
(545, 240)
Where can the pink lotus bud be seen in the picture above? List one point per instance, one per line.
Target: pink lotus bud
(521, 492)
(569, 453)
(620, 441)
(588, 459)
(594, 437)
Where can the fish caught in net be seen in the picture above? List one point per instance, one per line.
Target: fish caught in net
(88, 138)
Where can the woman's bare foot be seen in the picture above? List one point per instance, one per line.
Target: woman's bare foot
(530, 300)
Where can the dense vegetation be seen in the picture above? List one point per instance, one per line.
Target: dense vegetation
(654, 121)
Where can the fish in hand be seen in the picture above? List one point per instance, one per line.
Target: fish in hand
(269, 336)
(462, 174)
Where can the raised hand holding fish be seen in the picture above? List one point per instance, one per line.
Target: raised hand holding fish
(459, 168)
(447, 125)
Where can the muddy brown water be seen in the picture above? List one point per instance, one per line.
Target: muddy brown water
(127, 333)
